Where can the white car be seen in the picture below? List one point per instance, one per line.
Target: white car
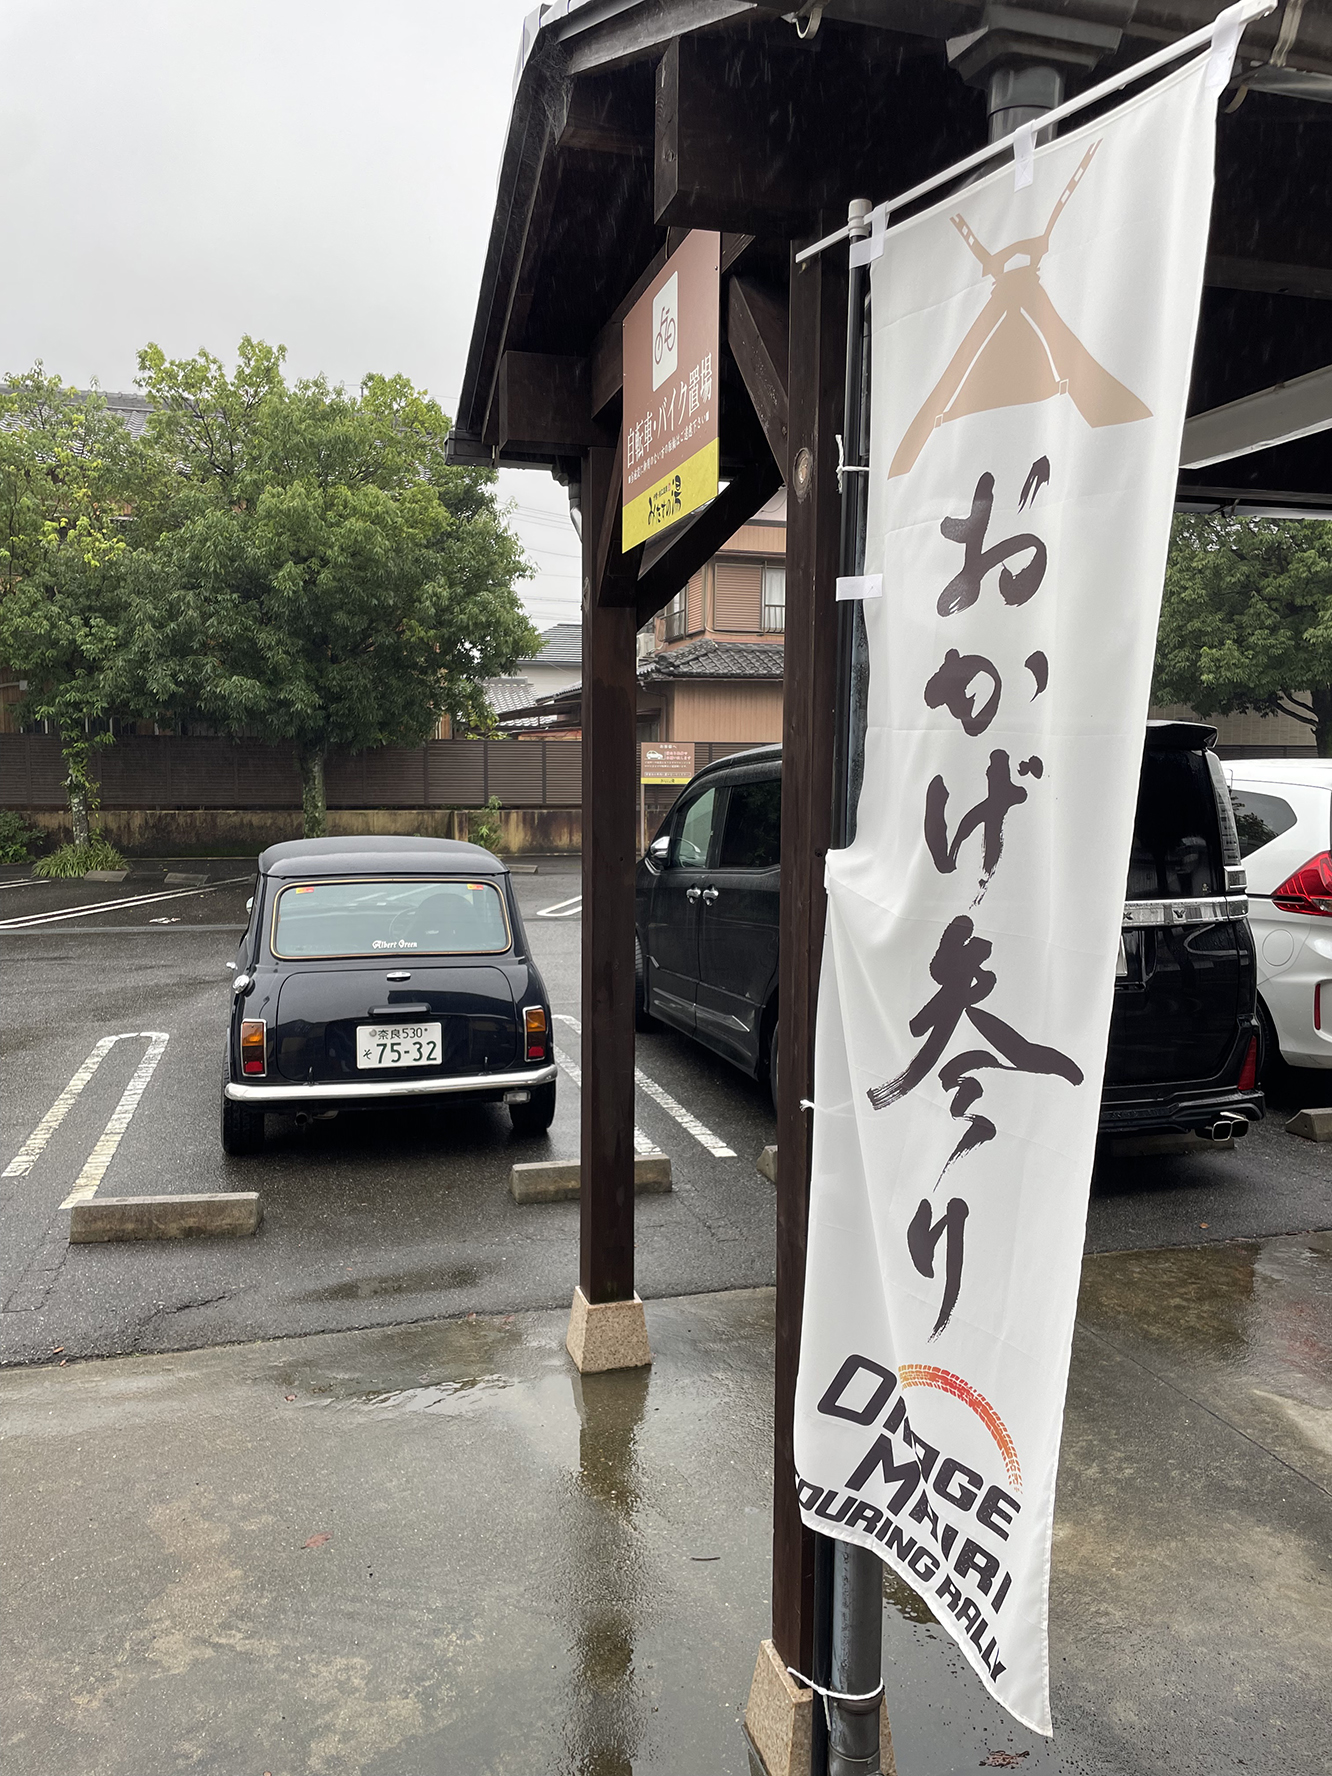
(1283, 810)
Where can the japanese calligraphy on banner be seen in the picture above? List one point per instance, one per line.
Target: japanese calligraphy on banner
(671, 391)
(1031, 356)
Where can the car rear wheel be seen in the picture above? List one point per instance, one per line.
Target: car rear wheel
(242, 1126)
(536, 1115)
(643, 1018)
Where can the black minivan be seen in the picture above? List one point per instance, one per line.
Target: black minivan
(1184, 1053)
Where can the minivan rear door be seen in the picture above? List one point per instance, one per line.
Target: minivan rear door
(738, 923)
(1177, 1007)
(673, 915)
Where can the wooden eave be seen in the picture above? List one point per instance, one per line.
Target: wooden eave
(634, 120)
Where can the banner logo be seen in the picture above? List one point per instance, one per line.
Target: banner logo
(926, 1375)
(1018, 350)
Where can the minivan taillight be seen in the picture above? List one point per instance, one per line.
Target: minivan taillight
(534, 1026)
(1309, 890)
(254, 1046)
(1248, 1078)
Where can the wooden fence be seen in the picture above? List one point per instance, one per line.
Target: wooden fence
(146, 771)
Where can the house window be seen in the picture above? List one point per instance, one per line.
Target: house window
(774, 598)
(675, 616)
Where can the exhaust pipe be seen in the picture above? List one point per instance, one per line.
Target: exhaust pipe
(302, 1119)
(1229, 1126)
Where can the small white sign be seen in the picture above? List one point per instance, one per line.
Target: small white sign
(860, 586)
(665, 330)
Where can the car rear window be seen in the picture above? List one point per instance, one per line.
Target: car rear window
(388, 918)
(1176, 835)
(1259, 818)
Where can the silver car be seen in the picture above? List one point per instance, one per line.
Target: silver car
(1283, 813)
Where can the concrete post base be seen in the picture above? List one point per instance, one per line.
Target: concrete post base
(779, 1720)
(607, 1335)
(779, 1716)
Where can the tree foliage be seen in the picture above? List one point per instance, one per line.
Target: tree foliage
(308, 568)
(69, 471)
(1246, 622)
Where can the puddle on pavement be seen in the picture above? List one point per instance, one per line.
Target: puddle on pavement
(404, 1282)
(604, 1589)
(899, 1596)
(1262, 1306)
(441, 1396)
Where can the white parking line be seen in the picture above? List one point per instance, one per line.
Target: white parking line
(113, 906)
(562, 909)
(27, 1155)
(659, 1095)
(85, 1185)
(642, 1143)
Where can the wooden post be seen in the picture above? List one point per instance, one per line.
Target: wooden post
(610, 753)
(813, 521)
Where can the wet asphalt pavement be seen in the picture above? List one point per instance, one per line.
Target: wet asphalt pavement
(397, 1216)
(427, 1545)
(436, 1548)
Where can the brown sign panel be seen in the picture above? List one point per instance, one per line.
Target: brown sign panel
(672, 391)
(667, 761)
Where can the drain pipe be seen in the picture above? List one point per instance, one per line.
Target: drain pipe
(855, 1678)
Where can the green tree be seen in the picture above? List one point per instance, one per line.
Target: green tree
(68, 471)
(309, 567)
(1246, 621)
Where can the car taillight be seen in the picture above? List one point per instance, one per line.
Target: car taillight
(1248, 1078)
(254, 1046)
(1309, 890)
(534, 1023)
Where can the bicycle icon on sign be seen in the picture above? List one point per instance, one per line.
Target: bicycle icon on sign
(665, 335)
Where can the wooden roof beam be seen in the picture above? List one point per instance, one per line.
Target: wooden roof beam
(758, 334)
(615, 574)
(544, 405)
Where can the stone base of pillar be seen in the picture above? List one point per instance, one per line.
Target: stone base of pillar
(779, 1716)
(607, 1335)
(779, 1720)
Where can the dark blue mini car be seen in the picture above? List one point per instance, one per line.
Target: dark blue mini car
(383, 968)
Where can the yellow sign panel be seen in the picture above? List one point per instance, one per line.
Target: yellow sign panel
(684, 490)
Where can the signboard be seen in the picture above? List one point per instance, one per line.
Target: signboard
(1032, 340)
(667, 761)
(672, 367)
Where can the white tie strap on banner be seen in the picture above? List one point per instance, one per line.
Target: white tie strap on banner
(1032, 350)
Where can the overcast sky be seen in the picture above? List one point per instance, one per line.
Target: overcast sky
(317, 173)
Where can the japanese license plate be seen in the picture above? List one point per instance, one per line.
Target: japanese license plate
(397, 1045)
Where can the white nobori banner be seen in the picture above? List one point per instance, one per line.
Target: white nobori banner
(1031, 351)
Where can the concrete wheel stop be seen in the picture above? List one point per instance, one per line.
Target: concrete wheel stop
(559, 1180)
(1313, 1125)
(203, 1216)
